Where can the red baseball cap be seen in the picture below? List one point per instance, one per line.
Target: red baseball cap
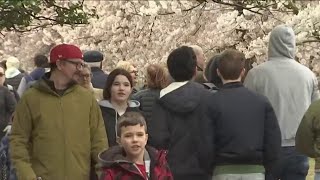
(65, 51)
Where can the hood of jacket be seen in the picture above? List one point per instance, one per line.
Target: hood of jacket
(47, 86)
(131, 104)
(282, 43)
(36, 74)
(183, 99)
(117, 155)
(12, 72)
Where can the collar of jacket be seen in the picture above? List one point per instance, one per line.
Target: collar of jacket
(97, 69)
(46, 85)
(107, 103)
(116, 155)
(232, 85)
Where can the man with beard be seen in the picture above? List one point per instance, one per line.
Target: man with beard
(57, 129)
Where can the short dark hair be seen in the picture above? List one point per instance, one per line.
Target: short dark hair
(231, 63)
(41, 61)
(111, 77)
(1, 65)
(4, 64)
(211, 71)
(182, 63)
(131, 119)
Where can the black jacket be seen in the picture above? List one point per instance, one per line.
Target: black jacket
(7, 107)
(110, 117)
(147, 98)
(245, 128)
(176, 124)
(15, 81)
(99, 78)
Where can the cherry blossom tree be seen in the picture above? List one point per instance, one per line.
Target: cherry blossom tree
(146, 31)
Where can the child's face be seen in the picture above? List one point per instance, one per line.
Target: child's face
(133, 139)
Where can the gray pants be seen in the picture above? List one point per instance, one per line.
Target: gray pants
(251, 176)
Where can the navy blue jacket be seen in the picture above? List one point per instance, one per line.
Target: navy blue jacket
(244, 126)
(99, 78)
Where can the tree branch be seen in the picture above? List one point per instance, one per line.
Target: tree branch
(152, 25)
(237, 6)
(308, 41)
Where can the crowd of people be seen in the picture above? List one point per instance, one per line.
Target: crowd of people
(191, 120)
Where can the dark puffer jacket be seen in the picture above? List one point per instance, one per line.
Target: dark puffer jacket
(7, 106)
(110, 117)
(147, 98)
(15, 81)
(114, 165)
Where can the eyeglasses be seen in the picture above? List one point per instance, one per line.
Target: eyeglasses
(1, 74)
(79, 65)
(199, 68)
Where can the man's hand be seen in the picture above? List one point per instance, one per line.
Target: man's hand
(7, 130)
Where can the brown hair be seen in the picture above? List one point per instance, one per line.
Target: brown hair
(111, 77)
(3, 64)
(131, 119)
(231, 64)
(157, 77)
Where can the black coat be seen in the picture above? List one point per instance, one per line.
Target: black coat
(99, 78)
(7, 107)
(110, 117)
(147, 98)
(245, 128)
(15, 81)
(176, 124)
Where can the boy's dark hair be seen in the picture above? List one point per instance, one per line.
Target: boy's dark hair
(41, 61)
(182, 63)
(111, 77)
(131, 119)
(231, 63)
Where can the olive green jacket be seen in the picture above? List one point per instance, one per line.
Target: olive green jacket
(308, 134)
(56, 137)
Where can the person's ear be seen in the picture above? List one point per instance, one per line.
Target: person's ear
(147, 137)
(59, 64)
(218, 73)
(243, 72)
(195, 72)
(118, 140)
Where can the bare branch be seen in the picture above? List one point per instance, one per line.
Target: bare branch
(237, 6)
(308, 41)
(151, 29)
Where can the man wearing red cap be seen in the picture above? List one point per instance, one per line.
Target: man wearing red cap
(57, 129)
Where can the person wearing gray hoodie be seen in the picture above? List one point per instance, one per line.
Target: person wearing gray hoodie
(290, 87)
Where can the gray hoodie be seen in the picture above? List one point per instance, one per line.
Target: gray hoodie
(289, 86)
